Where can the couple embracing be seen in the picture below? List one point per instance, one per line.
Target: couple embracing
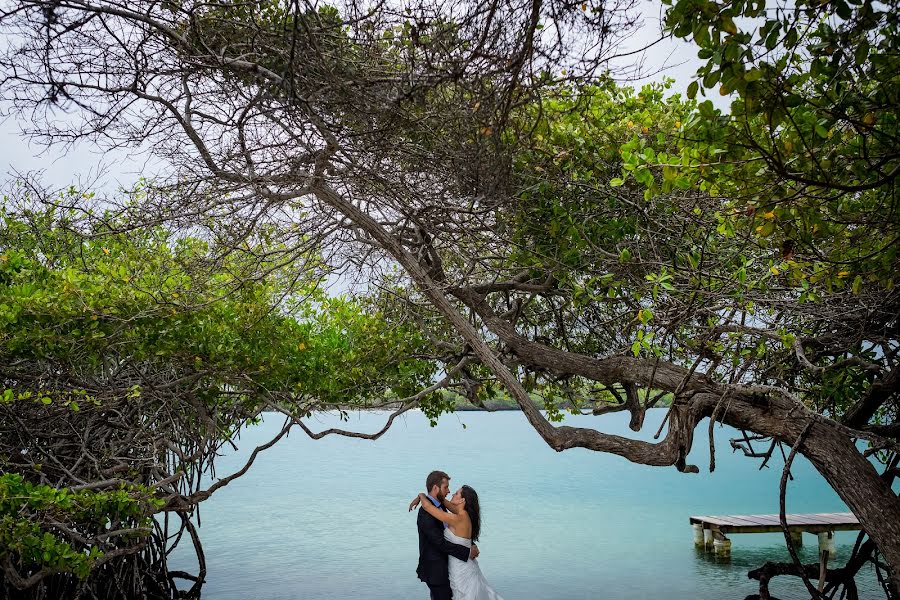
(448, 527)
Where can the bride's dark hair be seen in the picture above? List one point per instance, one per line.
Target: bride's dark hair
(473, 508)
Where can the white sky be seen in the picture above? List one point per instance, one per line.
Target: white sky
(89, 167)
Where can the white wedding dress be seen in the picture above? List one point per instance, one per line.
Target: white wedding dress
(466, 579)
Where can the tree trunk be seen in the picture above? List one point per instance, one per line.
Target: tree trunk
(858, 484)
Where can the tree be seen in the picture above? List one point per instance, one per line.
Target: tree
(816, 93)
(130, 361)
(554, 233)
(811, 143)
(661, 266)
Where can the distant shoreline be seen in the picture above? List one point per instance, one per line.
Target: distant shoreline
(503, 403)
(489, 406)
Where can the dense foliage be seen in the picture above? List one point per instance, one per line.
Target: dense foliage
(130, 359)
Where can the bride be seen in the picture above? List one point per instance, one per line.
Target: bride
(463, 526)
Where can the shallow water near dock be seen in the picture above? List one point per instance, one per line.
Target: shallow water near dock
(328, 519)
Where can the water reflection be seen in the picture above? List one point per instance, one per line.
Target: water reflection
(748, 555)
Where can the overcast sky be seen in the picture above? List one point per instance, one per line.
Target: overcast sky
(82, 165)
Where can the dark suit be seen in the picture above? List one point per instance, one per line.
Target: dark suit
(433, 552)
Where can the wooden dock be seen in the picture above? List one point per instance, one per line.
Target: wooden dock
(711, 532)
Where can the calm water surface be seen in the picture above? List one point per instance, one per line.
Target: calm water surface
(327, 519)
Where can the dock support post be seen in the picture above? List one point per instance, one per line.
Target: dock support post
(708, 539)
(698, 535)
(797, 538)
(826, 543)
(826, 549)
(722, 547)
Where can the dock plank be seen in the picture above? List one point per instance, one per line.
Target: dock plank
(840, 517)
(820, 519)
(809, 522)
(767, 519)
(744, 520)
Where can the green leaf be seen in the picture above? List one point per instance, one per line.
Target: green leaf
(862, 52)
(790, 40)
(701, 34)
(753, 75)
(728, 25)
(616, 182)
(842, 10)
(772, 38)
(692, 90)
(669, 173)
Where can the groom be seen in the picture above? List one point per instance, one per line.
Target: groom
(433, 548)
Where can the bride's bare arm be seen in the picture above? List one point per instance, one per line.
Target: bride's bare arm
(434, 511)
(454, 508)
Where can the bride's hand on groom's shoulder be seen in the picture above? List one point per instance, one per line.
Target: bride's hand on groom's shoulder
(474, 553)
(414, 503)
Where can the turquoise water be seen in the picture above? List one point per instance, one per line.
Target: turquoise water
(328, 519)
